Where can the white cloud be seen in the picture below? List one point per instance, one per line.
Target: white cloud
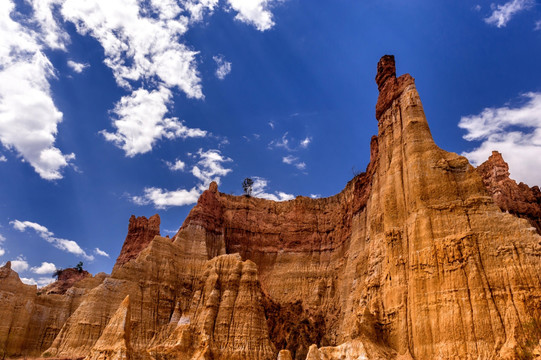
(40, 282)
(254, 12)
(502, 14)
(2, 251)
(162, 199)
(77, 67)
(19, 264)
(178, 165)
(271, 124)
(2, 238)
(44, 268)
(210, 167)
(62, 244)
(304, 143)
(223, 68)
(28, 115)
(293, 160)
(315, 196)
(537, 25)
(3, 158)
(290, 144)
(259, 190)
(100, 252)
(140, 122)
(513, 131)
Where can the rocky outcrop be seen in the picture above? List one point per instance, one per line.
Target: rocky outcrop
(66, 279)
(518, 199)
(31, 319)
(114, 343)
(414, 259)
(141, 231)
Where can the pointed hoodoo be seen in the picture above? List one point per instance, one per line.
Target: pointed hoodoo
(7, 265)
(390, 87)
(114, 342)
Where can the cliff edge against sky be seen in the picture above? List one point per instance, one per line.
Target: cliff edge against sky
(421, 257)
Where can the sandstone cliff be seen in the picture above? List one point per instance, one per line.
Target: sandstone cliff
(414, 259)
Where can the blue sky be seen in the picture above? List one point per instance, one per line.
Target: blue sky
(112, 108)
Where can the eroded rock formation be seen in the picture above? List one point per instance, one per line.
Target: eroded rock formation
(518, 199)
(414, 259)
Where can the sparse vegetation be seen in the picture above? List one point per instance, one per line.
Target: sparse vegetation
(79, 266)
(57, 273)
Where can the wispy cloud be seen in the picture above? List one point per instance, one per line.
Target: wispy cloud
(502, 14)
(259, 189)
(513, 131)
(223, 68)
(3, 158)
(210, 167)
(293, 160)
(537, 25)
(77, 67)
(100, 252)
(2, 239)
(62, 244)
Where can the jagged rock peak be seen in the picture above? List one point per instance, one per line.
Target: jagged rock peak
(141, 231)
(7, 265)
(390, 87)
(213, 187)
(518, 199)
(386, 70)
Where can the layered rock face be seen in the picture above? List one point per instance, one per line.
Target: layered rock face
(414, 259)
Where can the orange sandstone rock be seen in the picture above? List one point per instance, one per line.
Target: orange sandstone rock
(414, 259)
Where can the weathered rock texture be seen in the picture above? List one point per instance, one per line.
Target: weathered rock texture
(141, 231)
(414, 259)
(518, 199)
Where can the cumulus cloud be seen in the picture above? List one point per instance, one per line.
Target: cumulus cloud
(254, 12)
(162, 198)
(100, 252)
(62, 244)
(40, 282)
(223, 68)
(293, 160)
(144, 46)
(210, 167)
(513, 131)
(502, 14)
(77, 67)
(315, 196)
(44, 268)
(178, 165)
(28, 115)
(259, 189)
(140, 122)
(19, 264)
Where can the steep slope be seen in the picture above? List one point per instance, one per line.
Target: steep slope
(414, 259)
